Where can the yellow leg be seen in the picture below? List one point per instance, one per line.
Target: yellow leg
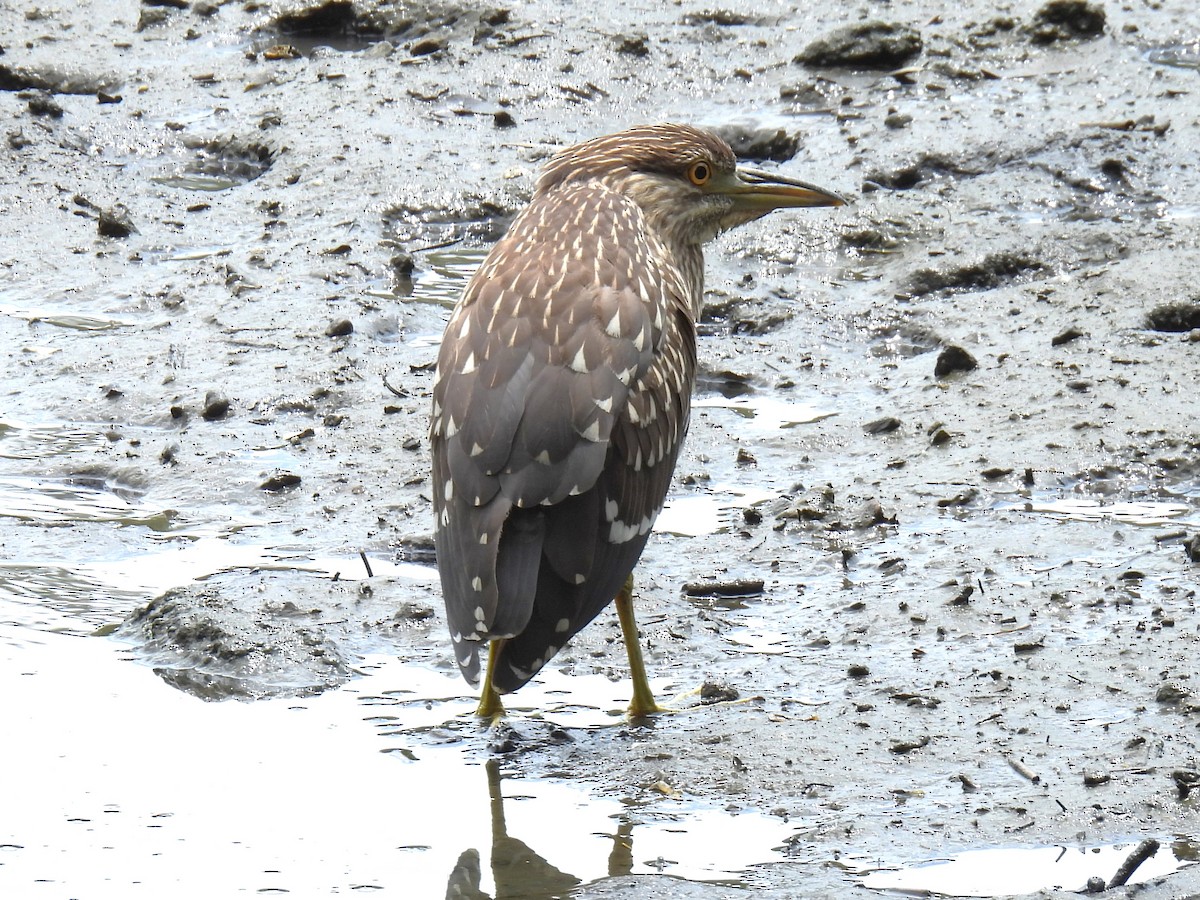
(490, 706)
(642, 703)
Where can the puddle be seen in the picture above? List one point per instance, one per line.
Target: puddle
(713, 513)
(766, 413)
(74, 321)
(1179, 56)
(22, 440)
(1002, 872)
(759, 637)
(442, 274)
(1132, 513)
(316, 46)
(52, 503)
(235, 782)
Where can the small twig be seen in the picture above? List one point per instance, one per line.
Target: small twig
(740, 587)
(1139, 855)
(399, 392)
(1023, 770)
(441, 245)
(363, 556)
(1012, 630)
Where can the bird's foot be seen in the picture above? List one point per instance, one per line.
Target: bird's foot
(490, 709)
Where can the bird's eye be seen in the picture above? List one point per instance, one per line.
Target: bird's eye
(699, 173)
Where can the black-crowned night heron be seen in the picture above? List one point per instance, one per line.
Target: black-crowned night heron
(564, 387)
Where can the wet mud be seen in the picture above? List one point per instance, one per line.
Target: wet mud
(926, 590)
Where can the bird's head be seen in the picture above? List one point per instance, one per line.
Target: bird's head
(686, 180)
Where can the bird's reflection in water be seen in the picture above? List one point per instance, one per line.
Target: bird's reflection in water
(517, 870)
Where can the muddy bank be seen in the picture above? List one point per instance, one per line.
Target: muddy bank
(945, 443)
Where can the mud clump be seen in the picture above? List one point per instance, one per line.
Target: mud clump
(54, 80)
(989, 272)
(470, 217)
(339, 18)
(115, 222)
(41, 103)
(216, 406)
(870, 45)
(218, 163)
(330, 17)
(1192, 548)
(202, 645)
(1174, 317)
(1064, 20)
(253, 634)
(758, 144)
(953, 359)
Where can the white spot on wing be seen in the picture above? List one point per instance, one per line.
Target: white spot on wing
(613, 328)
(579, 363)
(619, 532)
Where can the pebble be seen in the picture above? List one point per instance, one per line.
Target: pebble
(280, 481)
(216, 406)
(953, 359)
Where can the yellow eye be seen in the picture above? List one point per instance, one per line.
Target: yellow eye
(699, 173)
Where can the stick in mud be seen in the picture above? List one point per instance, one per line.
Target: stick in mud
(1024, 770)
(1137, 856)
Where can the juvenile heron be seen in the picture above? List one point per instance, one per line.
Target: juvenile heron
(564, 387)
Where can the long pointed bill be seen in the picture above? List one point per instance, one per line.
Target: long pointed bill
(756, 192)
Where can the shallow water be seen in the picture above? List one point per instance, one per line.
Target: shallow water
(146, 783)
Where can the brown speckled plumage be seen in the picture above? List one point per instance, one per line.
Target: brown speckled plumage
(563, 390)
